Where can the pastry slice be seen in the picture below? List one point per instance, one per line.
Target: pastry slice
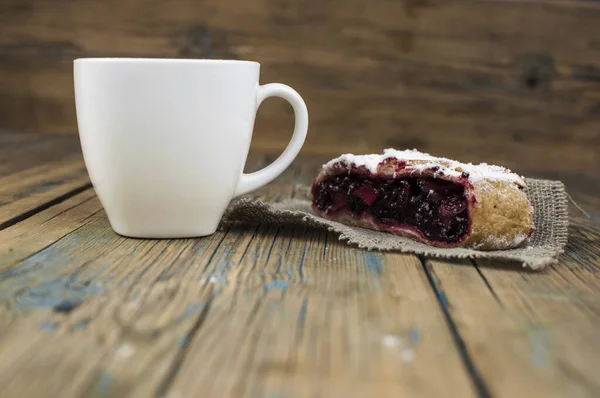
(433, 200)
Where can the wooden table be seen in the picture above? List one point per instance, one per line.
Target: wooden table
(273, 312)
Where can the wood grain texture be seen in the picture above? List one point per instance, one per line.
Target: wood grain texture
(309, 317)
(515, 83)
(254, 312)
(530, 334)
(21, 151)
(41, 230)
(281, 312)
(22, 193)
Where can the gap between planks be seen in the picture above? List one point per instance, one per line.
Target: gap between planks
(46, 205)
(478, 381)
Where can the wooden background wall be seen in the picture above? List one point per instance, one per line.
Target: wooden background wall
(470, 79)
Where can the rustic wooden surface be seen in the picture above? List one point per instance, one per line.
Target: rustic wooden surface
(514, 82)
(273, 312)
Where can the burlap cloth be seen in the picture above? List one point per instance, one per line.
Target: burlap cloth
(548, 198)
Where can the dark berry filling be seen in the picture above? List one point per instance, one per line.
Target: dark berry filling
(437, 209)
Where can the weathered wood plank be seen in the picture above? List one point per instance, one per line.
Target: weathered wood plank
(37, 171)
(521, 88)
(34, 149)
(357, 121)
(280, 311)
(266, 311)
(582, 186)
(137, 304)
(43, 229)
(37, 231)
(215, 27)
(11, 137)
(311, 317)
(530, 334)
(26, 192)
(112, 296)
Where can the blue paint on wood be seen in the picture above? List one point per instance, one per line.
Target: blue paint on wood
(62, 295)
(67, 305)
(277, 284)
(443, 300)
(302, 314)
(540, 343)
(415, 335)
(193, 310)
(81, 324)
(183, 341)
(301, 320)
(53, 277)
(220, 271)
(48, 326)
(103, 385)
(290, 274)
(374, 262)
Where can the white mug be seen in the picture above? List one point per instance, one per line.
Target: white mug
(165, 141)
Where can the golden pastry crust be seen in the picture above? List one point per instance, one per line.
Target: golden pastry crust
(501, 216)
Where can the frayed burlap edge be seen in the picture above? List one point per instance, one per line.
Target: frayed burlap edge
(548, 198)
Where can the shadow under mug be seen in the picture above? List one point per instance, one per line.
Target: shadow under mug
(165, 141)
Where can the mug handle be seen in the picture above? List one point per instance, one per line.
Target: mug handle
(252, 181)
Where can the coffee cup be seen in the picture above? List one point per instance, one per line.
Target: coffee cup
(165, 141)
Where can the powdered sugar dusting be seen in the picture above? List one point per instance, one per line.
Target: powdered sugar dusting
(370, 162)
(444, 166)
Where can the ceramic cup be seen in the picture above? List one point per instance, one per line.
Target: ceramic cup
(165, 141)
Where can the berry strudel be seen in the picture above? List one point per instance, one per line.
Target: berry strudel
(437, 201)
